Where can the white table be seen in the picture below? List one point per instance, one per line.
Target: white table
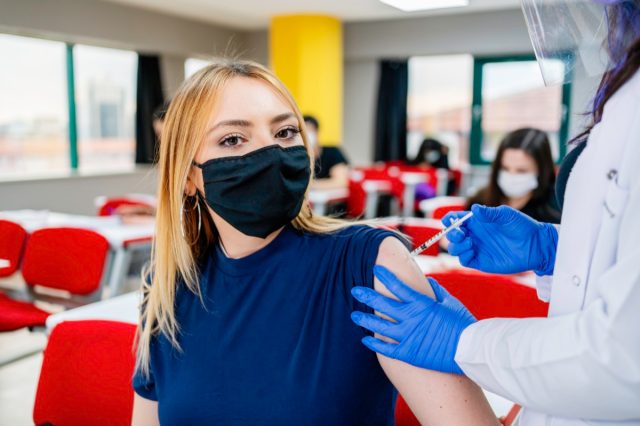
(410, 181)
(123, 308)
(320, 198)
(123, 239)
(373, 189)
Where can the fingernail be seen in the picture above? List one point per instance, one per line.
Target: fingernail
(356, 316)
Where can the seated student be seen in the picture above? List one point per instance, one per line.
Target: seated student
(331, 167)
(246, 319)
(522, 176)
(432, 154)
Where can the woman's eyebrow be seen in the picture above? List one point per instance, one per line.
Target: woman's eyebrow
(234, 123)
(244, 123)
(282, 117)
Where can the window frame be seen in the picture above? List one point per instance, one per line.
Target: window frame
(72, 129)
(477, 135)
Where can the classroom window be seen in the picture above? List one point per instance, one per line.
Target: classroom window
(509, 94)
(193, 65)
(105, 81)
(33, 107)
(439, 104)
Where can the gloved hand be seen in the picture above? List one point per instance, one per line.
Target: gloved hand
(503, 240)
(427, 330)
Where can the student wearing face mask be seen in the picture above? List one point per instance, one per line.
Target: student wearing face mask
(522, 177)
(245, 319)
(331, 167)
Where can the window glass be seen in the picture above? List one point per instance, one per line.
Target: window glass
(105, 106)
(193, 65)
(33, 107)
(439, 104)
(514, 96)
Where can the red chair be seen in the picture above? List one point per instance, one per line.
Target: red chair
(438, 207)
(486, 296)
(442, 211)
(67, 259)
(492, 296)
(12, 241)
(421, 233)
(107, 206)
(70, 259)
(86, 375)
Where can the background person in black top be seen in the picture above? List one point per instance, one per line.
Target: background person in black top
(522, 177)
(332, 167)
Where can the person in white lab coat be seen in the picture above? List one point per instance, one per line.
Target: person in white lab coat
(581, 365)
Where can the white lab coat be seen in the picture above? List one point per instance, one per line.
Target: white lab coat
(580, 366)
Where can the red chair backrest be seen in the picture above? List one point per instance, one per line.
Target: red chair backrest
(86, 375)
(65, 258)
(109, 207)
(440, 212)
(420, 234)
(492, 296)
(12, 241)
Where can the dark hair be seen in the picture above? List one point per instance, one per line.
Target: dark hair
(536, 144)
(430, 144)
(161, 110)
(310, 119)
(624, 21)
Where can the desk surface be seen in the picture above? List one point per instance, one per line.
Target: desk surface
(120, 308)
(110, 227)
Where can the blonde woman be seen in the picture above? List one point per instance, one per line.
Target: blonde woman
(247, 317)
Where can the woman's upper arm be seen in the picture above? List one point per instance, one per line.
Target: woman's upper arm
(145, 412)
(435, 398)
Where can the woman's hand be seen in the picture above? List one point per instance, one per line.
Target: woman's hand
(503, 240)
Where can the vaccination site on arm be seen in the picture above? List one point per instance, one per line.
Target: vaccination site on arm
(372, 212)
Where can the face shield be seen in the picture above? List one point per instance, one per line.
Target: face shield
(572, 39)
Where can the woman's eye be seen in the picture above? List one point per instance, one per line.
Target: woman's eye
(288, 133)
(231, 141)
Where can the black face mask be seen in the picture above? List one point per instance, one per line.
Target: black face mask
(259, 192)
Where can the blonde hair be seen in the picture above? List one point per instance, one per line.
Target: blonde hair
(174, 256)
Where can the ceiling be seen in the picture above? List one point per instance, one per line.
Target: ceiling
(255, 14)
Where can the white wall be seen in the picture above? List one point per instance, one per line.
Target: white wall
(73, 194)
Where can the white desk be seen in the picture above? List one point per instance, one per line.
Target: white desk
(410, 181)
(123, 308)
(4, 263)
(123, 238)
(320, 198)
(373, 189)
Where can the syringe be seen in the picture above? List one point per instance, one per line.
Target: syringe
(431, 241)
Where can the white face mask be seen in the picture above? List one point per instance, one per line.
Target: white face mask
(312, 138)
(433, 156)
(516, 185)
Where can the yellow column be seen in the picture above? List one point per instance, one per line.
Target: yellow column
(306, 54)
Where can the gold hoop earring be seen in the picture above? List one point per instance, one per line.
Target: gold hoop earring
(182, 210)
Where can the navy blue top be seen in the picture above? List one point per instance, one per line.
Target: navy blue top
(274, 343)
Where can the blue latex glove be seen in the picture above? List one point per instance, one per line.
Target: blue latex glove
(503, 240)
(427, 330)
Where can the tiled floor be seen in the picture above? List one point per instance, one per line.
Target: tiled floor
(19, 379)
